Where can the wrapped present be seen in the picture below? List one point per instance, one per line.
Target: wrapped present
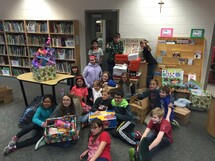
(200, 99)
(44, 73)
(134, 65)
(53, 134)
(108, 118)
(121, 58)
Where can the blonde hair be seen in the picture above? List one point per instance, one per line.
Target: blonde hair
(105, 89)
(158, 111)
(97, 83)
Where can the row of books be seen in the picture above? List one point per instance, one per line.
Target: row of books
(16, 39)
(5, 71)
(14, 26)
(3, 60)
(1, 27)
(184, 61)
(177, 54)
(61, 41)
(65, 54)
(17, 51)
(64, 67)
(2, 50)
(20, 62)
(2, 39)
(18, 71)
(34, 26)
(178, 41)
(62, 27)
(37, 40)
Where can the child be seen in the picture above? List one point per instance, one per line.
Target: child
(74, 72)
(127, 87)
(125, 119)
(96, 90)
(104, 102)
(70, 105)
(166, 103)
(147, 56)
(38, 123)
(96, 51)
(80, 89)
(106, 80)
(115, 47)
(98, 143)
(158, 134)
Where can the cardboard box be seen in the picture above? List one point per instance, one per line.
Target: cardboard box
(6, 95)
(140, 107)
(108, 118)
(182, 115)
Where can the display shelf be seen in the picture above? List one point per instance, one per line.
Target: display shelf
(19, 39)
(183, 53)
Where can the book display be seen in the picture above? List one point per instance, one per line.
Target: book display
(20, 38)
(182, 53)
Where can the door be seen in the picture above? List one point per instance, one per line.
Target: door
(101, 25)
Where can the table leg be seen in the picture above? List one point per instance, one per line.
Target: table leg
(41, 87)
(53, 91)
(23, 93)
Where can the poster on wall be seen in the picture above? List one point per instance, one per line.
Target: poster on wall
(172, 76)
(166, 32)
(197, 33)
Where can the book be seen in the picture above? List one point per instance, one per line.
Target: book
(182, 61)
(190, 62)
(197, 55)
(176, 54)
(191, 76)
(159, 59)
(163, 53)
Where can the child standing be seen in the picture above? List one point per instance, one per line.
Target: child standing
(38, 123)
(98, 143)
(127, 87)
(74, 72)
(115, 47)
(96, 51)
(104, 102)
(147, 57)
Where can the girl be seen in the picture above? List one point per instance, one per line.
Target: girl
(70, 105)
(106, 80)
(80, 89)
(96, 51)
(98, 143)
(147, 56)
(38, 123)
(96, 90)
(74, 72)
(127, 87)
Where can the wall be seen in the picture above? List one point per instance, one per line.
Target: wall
(138, 18)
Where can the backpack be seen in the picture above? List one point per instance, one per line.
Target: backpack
(29, 111)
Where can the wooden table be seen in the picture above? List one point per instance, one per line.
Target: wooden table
(28, 77)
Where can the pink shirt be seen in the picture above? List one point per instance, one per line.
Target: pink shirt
(81, 92)
(104, 136)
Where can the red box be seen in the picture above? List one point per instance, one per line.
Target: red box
(121, 58)
(134, 65)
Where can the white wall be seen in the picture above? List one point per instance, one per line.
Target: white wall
(138, 18)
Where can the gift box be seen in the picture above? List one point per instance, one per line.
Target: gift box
(44, 73)
(140, 108)
(58, 133)
(134, 65)
(118, 69)
(200, 99)
(6, 95)
(108, 118)
(182, 115)
(121, 58)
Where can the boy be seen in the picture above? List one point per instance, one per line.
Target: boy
(124, 119)
(104, 102)
(115, 47)
(157, 135)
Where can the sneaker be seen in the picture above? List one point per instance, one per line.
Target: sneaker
(40, 143)
(13, 141)
(9, 149)
(137, 135)
(131, 154)
(175, 123)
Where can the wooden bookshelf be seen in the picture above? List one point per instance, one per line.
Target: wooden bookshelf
(19, 39)
(183, 53)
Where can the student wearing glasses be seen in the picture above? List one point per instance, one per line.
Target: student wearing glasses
(98, 143)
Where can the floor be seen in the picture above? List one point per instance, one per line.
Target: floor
(191, 142)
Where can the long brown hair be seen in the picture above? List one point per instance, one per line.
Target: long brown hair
(96, 122)
(128, 83)
(71, 108)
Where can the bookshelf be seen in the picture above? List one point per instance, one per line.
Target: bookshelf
(183, 53)
(20, 38)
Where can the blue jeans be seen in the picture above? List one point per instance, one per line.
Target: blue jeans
(150, 74)
(164, 142)
(84, 118)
